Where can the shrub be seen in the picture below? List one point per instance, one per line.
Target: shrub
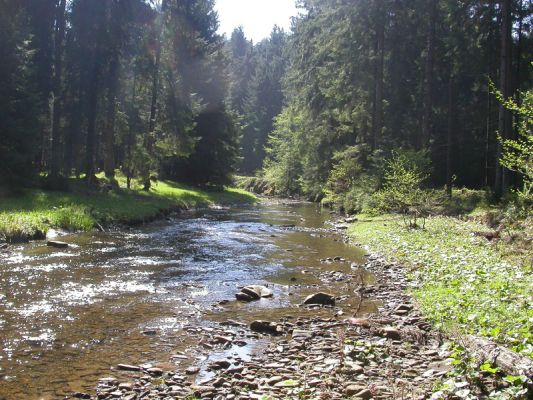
(518, 153)
(402, 190)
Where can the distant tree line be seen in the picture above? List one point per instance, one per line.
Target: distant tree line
(97, 85)
(365, 78)
(149, 87)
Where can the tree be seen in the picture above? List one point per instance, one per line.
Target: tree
(517, 154)
(19, 123)
(263, 99)
(58, 89)
(504, 117)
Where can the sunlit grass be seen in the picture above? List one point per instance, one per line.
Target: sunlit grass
(466, 282)
(32, 212)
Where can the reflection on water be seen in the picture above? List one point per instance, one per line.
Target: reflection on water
(67, 315)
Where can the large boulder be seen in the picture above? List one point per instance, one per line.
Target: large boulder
(320, 298)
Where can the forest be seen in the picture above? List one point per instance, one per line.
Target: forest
(409, 122)
(152, 90)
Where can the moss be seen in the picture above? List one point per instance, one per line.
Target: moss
(29, 214)
(465, 283)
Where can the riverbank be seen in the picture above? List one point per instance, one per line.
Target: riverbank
(468, 280)
(32, 212)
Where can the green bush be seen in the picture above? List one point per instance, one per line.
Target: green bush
(518, 153)
(402, 190)
(355, 176)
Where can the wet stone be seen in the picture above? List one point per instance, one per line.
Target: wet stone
(80, 395)
(126, 386)
(320, 298)
(127, 367)
(155, 371)
(192, 370)
(266, 327)
(57, 244)
(301, 334)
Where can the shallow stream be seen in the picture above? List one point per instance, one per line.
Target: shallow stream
(67, 316)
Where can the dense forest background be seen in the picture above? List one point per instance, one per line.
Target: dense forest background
(150, 88)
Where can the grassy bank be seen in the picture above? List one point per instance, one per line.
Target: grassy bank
(30, 213)
(467, 284)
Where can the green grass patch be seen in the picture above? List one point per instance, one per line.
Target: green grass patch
(466, 283)
(32, 212)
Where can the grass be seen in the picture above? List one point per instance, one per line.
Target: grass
(29, 214)
(465, 283)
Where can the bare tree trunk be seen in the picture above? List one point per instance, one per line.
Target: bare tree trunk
(491, 73)
(427, 117)
(130, 141)
(72, 145)
(109, 131)
(91, 128)
(92, 113)
(58, 70)
(379, 61)
(449, 140)
(505, 116)
(150, 140)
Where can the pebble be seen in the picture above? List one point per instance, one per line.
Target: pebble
(336, 358)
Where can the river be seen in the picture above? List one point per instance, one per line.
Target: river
(68, 315)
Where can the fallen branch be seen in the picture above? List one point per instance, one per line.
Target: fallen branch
(506, 360)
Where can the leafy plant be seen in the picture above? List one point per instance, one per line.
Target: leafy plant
(518, 153)
(402, 191)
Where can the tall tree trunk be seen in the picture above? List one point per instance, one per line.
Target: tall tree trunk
(91, 127)
(449, 138)
(518, 53)
(93, 92)
(491, 73)
(379, 62)
(109, 131)
(150, 140)
(504, 116)
(427, 117)
(130, 140)
(58, 71)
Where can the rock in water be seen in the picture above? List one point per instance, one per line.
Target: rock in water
(244, 297)
(253, 292)
(320, 298)
(127, 367)
(258, 290)
(57, 244)
(266, 327)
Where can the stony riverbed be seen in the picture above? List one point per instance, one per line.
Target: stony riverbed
(152, 314)
(319, 353)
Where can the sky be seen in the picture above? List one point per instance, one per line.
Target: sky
(257, 17)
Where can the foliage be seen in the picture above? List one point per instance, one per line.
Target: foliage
(256, 73)
(355, 176)
(518, 153)
(367, 74)
(281, 167)
(402, 190)
(19, 125)
(464, 282)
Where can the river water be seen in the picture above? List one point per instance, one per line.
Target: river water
(67, 316)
